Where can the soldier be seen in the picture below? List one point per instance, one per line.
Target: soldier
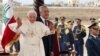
(66, 39)
(70, 26)
(56, 22)
(79, 33)
(93, 41)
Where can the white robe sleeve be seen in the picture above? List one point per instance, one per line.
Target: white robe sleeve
(45, 30)
(23, 29)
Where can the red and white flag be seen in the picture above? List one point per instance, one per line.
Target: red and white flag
(7, 18)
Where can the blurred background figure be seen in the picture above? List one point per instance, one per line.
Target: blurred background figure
(99, 25)
(99, 22)
(56, 22)
(93, 20)
(62, 36)
(79, 33)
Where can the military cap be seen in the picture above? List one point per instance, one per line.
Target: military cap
(95, 26)
(63, 18)
(70, 22)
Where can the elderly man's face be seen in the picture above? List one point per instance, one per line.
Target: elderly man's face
(32, 17)
(45, 13)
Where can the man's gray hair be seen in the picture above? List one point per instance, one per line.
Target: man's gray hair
(31, 11)
(42, 7)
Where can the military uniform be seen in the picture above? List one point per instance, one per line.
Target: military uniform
(79, 33)
(93, 43)
(93, 46)
(66, 40)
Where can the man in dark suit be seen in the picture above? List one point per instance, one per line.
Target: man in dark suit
(79, 33)
(93, 42)
(47, 40)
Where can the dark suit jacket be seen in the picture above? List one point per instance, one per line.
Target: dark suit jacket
(93, 46)
(48, 41)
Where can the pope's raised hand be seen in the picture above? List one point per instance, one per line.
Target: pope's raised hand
(19, 22)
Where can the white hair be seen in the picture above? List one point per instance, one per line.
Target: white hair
(42, 7)
(32, 11)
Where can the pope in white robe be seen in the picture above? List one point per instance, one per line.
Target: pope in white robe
(32, 32)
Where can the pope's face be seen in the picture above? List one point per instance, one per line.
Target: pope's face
(32, 17)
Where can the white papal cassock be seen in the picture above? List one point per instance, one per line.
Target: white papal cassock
(32, 34)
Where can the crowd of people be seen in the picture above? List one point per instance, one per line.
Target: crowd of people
(39, 35)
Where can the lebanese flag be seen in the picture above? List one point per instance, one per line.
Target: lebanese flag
(7, 18)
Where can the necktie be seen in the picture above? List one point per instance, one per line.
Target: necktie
(46, 22)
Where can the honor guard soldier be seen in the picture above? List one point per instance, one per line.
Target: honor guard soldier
(70, 26)
(93, 41)
(79, 33)
(66, 39)
(56, 22)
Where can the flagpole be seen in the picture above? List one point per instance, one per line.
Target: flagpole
(36, 5)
